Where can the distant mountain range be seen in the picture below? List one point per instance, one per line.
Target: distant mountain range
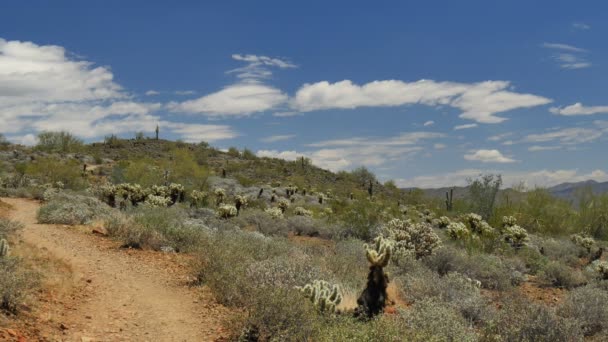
(566, 191)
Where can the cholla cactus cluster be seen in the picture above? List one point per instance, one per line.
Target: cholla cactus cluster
(226, 211)
(324, 296)
(240, 201)
(478, 225)
(584, 241)
(4, 248)
(379, 253)
(600, 267)
(513, 234)
(274, 212)
(411, 239)
(220, 195)
(283, 204)
(302, 212)
(135, 194)
(443, 222)
(157, 201)
(198, 197)
(458, 231)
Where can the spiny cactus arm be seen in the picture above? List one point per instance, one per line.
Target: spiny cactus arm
(379, 253)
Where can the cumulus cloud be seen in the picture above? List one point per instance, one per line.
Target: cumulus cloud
(249, 95)
(531, 179)
(488, 156)
(478, 101)
(275, 138)
(237, 100)
(579, 109)
(42, 87)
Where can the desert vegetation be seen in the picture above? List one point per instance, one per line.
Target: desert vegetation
(305, 254)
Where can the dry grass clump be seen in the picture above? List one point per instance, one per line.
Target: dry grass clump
(72, 209)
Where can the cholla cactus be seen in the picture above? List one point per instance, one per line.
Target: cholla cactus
(59, 185)
(240, 201)
(157, 201)
(220, 194)
(176, 192)
(198, 198)
(302, 212)
(226, 211)
(49, 193)
(328, 212)
(443, 222)
(600, 267)
(478, 225)
(160, 190)
(584, 241)
(283, 204)
(274, 212)
(508, 221)
(458, 231)
(411, 239)
(4, 248)
(379, 253)
(515, 235)
(324, 296)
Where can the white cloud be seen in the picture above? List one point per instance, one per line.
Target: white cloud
(152, 92)
(581, 26)
(258, 66)
(342, 154)
(478, 101)
(579, 109)
(439, 146)
(500, 137)
(44, 88)
(237, 100)
(275, 138)
(567, 136)
(539, 178)
(488, 156)
(569, 57)
(429, 123)
(537, 148)
(184, 92)
(564, 47)
(465, 126)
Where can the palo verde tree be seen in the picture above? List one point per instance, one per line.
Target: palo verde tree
(482, 194)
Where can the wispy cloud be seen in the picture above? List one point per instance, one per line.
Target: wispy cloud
(500, 137)
(537, 148)
(488, 156)
(465, 126)
(579, 109)
(581, 26)
(184, 92)
(152, 93)
(429, 123)
(275, 138)
(569, 56)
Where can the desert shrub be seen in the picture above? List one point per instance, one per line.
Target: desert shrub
(304, 225)
(8, 227)
(533, 259)
(162, 227)
(411, 240)
(561, 250)
(560, 275)
(16, 282)
(589, 306)
(385, 328)
(297, 269)
(456, 290)
(482, 194)
(521, 320)
(592, 215)
(541, 212)
(226, 257)
(53, 170)
(71, 209)
(281, 314)
(263, 222)
(438, 321)
(348, 264)
(62, 142)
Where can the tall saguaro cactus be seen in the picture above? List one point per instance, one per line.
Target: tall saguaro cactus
(4, 248)
(448, 200)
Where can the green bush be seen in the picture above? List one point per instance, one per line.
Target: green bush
(438, 321)
(560, 275)
(16, 282)
(8, 227)
(62, 142)
(589, 306)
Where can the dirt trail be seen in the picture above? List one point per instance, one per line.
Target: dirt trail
(120, 297)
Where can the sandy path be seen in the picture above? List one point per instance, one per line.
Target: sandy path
(123, 298)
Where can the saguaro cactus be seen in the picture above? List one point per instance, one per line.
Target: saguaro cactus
(448, 200)
(4, 248)
(156, 131)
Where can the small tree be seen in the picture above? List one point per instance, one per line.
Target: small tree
(62, 142)
(482, 194)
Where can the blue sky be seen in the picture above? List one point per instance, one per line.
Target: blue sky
(425, 93)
